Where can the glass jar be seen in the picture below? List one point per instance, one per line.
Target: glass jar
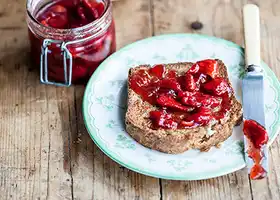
(68, 56)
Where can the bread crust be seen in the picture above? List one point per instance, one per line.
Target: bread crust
(177, 141)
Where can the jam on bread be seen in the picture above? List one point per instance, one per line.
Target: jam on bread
(196, 98)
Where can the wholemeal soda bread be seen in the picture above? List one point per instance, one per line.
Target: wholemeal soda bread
(138, 123)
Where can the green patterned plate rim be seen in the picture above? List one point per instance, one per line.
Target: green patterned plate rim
(101, 102)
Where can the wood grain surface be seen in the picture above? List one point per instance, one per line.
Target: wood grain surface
(45, 151)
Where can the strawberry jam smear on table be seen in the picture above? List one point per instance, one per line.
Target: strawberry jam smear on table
(187, 100)
(257, 137)
(87, 55)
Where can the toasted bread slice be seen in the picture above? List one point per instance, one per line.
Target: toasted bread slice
(138, 124)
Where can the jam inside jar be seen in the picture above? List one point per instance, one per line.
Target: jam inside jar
(70, 38)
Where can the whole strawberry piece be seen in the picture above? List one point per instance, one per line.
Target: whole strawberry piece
(190, 83)
(202, 116)
(217, 86)
(162, 119)
(207, 67)
(169, 102)
(158, 71)
(171, 84)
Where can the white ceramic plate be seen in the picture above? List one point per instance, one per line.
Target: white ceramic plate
(104, 107)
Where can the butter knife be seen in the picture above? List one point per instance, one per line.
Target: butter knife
(256, 155)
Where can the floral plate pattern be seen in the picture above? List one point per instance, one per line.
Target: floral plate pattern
(104, 107)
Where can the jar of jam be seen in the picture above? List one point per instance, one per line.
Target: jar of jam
(69, 38)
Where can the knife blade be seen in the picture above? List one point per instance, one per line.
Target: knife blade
(253, 83)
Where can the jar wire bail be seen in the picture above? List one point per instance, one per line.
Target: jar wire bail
(44, 63)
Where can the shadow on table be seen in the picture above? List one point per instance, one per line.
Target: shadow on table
(16, 71)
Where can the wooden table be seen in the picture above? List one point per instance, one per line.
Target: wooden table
(45, 151)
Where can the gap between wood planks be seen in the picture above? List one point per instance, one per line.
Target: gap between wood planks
(70, 142)
(152, 16)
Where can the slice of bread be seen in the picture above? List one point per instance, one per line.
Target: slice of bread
(138, 124)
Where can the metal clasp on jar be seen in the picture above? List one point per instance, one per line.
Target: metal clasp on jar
(44, 63)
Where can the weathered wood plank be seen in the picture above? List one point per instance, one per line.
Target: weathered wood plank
(95, 175)
(34, 119)
(232, 186)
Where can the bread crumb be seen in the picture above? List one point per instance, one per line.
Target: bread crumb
(218, 145)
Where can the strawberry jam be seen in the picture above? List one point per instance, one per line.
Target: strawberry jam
(187, 100)
(65, 14)
(86, 24)
(257, 137)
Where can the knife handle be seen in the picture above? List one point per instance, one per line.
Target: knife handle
(251, 20)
